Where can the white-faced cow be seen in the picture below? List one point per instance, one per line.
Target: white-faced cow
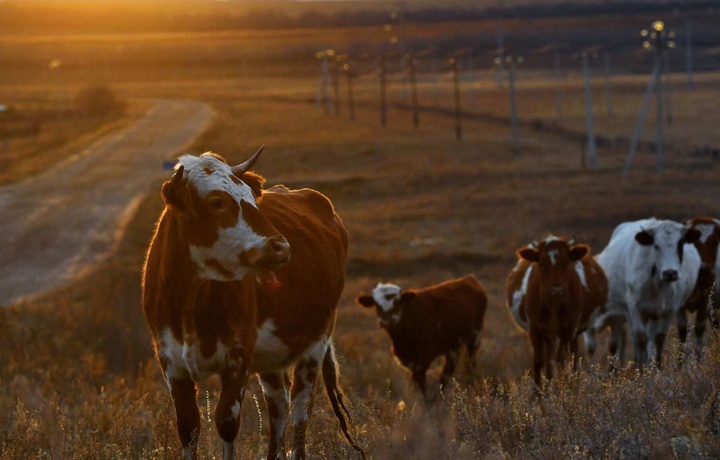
(552, 292)
(706, 295)
(223, 295)
(425, 324)
(652, 267)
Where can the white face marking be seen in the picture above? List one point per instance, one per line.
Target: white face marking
(385, 295)
(235, 410)
(553, 254)
(666, 237)
(231, 241)
(218, 179)
(518, 297)
(580, 269)
(271, 353)
(706, 230)
(230, 244)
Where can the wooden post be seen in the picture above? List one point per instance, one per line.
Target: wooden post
(383, 99)
(589, 111)
(413, 91)
(336, 84)
(458, 112)
(351, 99)
(689, 53)
(558, 86)
(514, 129)
(608, 84)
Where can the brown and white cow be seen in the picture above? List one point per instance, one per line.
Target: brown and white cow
(222, 294)
(706, 294)
(425, 324)
(552, 292)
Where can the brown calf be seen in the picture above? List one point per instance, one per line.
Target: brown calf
(427, 323)
(222, 294)
(551, 293)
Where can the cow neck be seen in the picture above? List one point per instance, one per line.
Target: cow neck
(184, 289)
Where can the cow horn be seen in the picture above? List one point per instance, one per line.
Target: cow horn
(242, 168)
(572, 241)
(534, 244)
(178, 176)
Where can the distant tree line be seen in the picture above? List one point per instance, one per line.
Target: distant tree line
(60, 17)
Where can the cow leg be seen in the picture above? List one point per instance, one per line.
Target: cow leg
(184, 395)
(682, 325)
(418, 376)
(227, 411)
(617, 339)
(277, 398)
(472, 348)
(700, 326)
(662, 325)
(301, 394)
(590, 341)
(536, 341)
(451, 360)
(639, 334)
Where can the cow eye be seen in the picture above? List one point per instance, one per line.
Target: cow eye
(657, 248)
(217, 204)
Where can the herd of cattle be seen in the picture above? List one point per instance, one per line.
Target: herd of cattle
(242, 280)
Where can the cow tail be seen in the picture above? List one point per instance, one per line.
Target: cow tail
(336, 397)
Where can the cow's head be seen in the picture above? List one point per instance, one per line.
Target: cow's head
(219, 219)
(665, 242)
(388, 300)
(707, 246)
(555, 257)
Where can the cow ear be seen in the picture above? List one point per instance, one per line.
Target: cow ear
(408, 296)
(529, 254)
(578, 251)
(691, 235)
(175, 192)
(255, 182)
(366, 301)
(645, 238)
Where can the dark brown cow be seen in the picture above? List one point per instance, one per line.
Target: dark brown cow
(427, 323)
(223, 295)
(706, 288)
(551, 293)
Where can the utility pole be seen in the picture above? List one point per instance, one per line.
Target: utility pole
(347, 67)
(413, 89)
(592, 155)
(383, 99)
(458, 110)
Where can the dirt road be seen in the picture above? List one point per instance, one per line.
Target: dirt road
(56, 224)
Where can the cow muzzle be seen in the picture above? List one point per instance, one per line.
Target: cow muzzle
(274, 254)
(670, 276)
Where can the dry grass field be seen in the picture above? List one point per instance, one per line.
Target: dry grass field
(77, 376)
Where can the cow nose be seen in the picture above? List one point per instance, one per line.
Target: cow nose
(557, 290)
(669, 276)
(705, 269)
(280, 248)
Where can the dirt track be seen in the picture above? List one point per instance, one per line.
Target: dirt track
(58, 223)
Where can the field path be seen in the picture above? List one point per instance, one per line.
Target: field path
(58, 223)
